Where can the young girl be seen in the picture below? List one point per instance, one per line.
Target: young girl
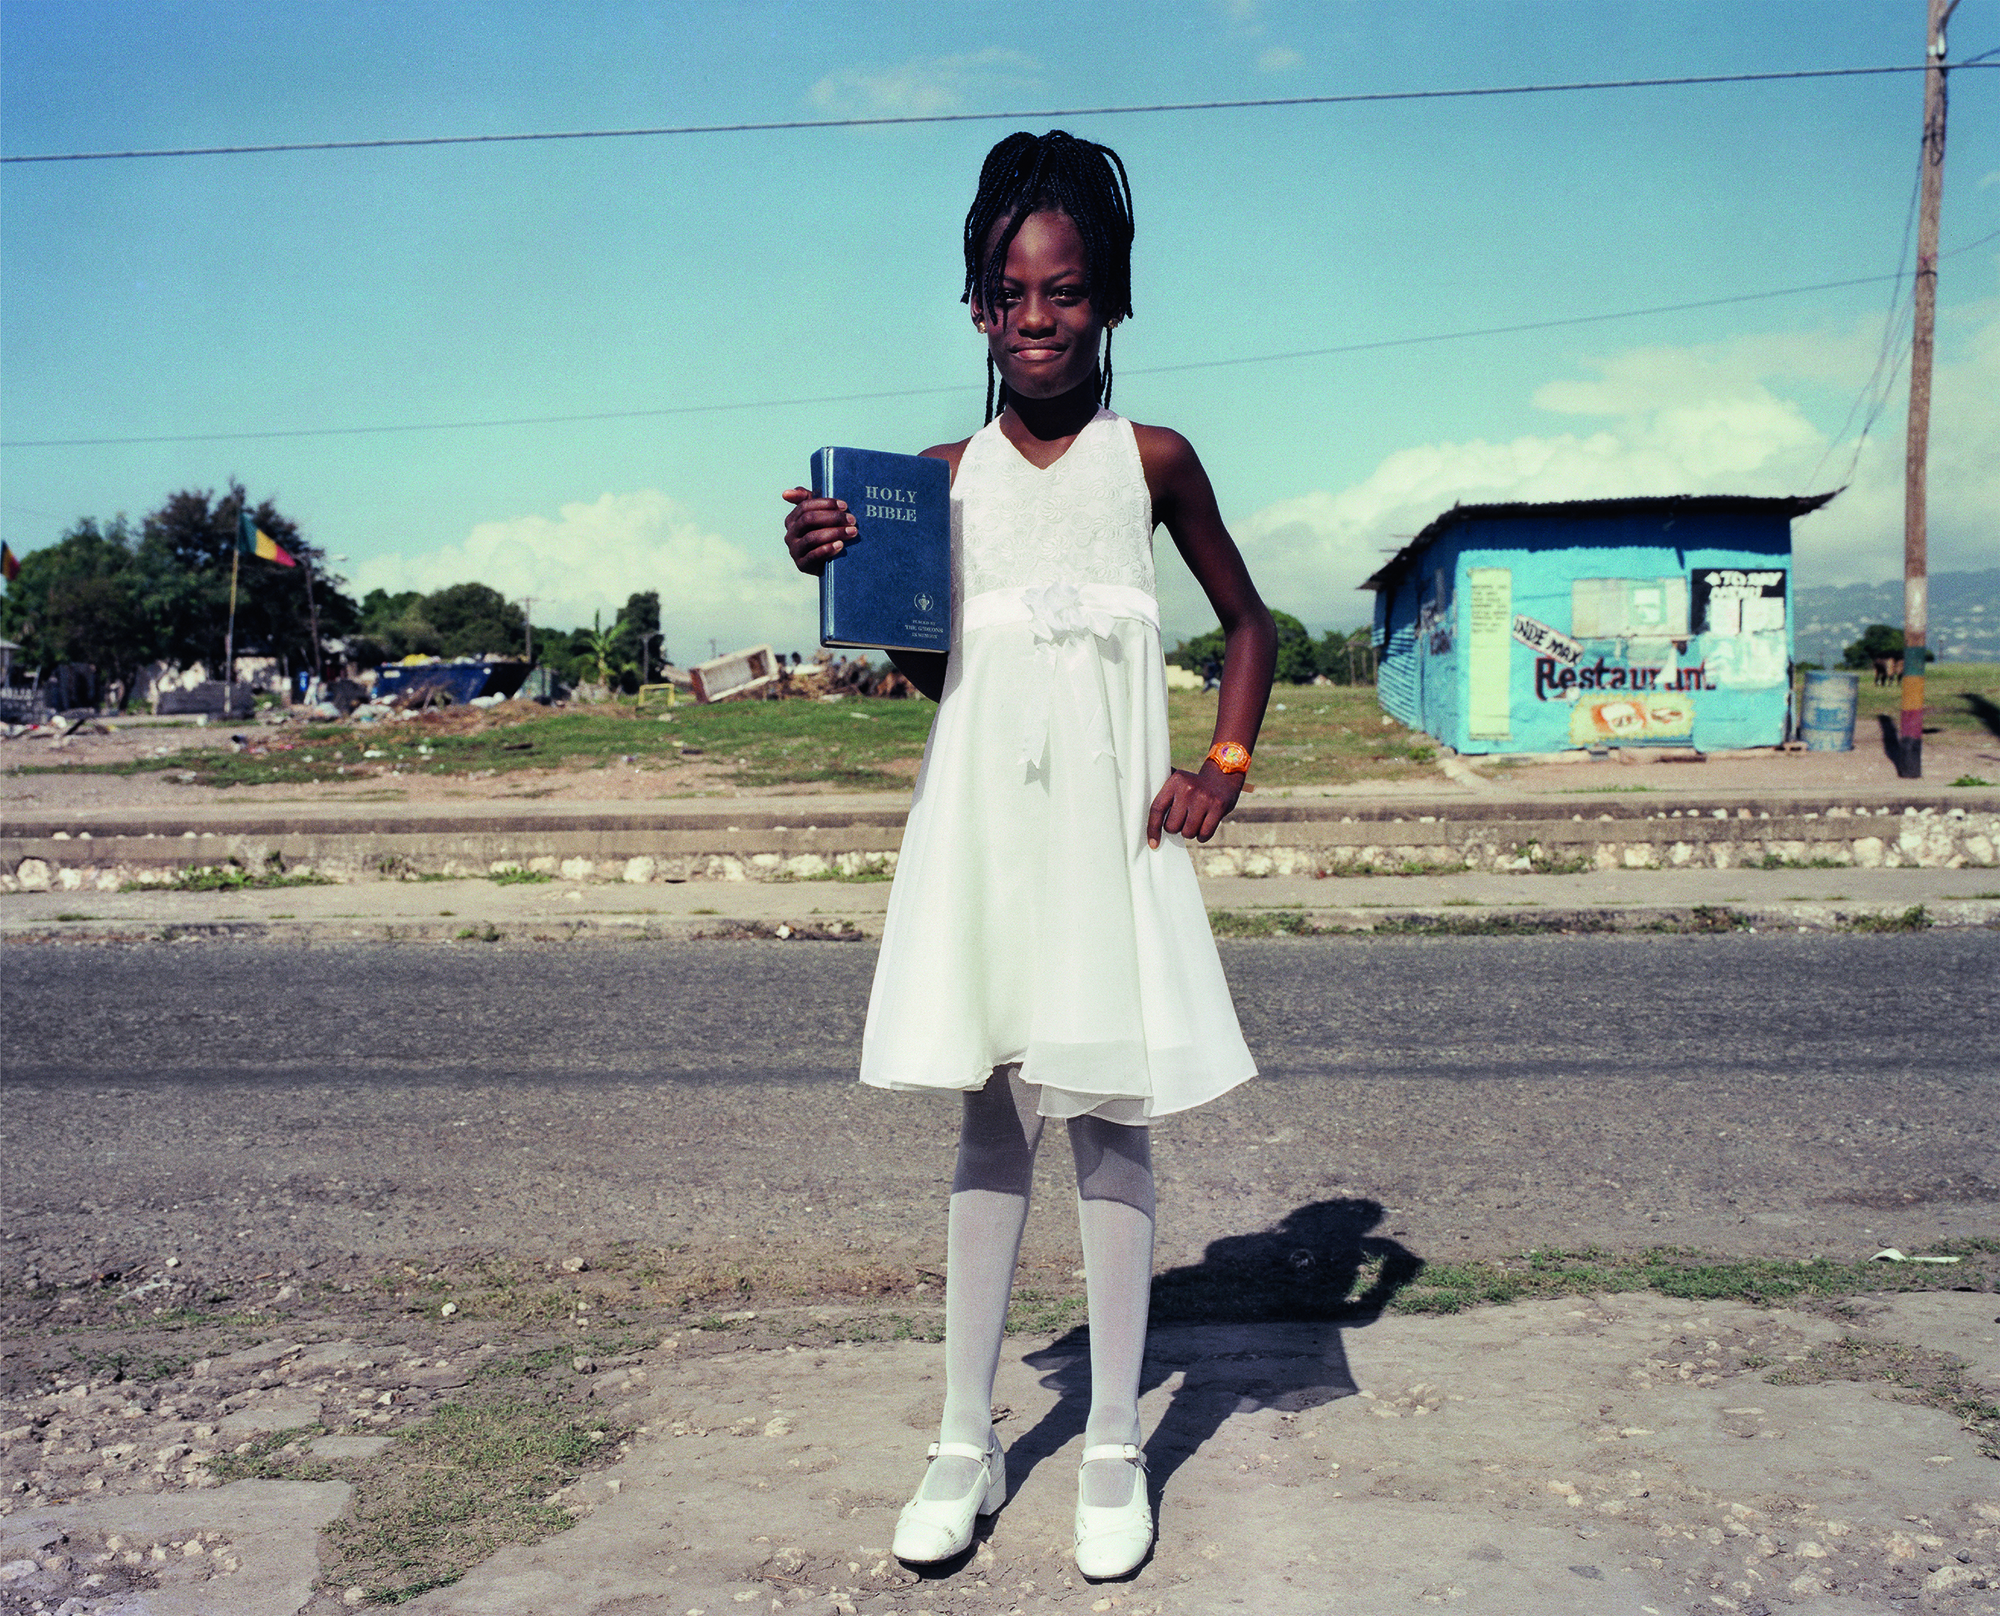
(1046, 952)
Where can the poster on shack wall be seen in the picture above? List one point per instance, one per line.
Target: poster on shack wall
(1597, 647)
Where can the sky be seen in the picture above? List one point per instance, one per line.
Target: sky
(705, 308)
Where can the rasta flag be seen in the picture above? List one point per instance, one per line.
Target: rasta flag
(10, 563)
(253, 540)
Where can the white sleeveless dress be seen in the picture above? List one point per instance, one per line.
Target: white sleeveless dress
(1029, 921)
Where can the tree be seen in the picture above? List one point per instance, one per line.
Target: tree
(633, 632)
(184, 559)
(1296, 661)
(1877, 640)
(1345, 658)
(472, 619)
(80, 600)
(602, 646)
(1295, 651)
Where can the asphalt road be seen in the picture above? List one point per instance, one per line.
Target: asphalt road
(256, 1106)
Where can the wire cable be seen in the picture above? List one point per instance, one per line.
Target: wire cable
(1888, 355)
(1894, 351)
(1357, 98)
(924, 392)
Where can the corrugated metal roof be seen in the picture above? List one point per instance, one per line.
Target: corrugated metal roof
(1578, 510)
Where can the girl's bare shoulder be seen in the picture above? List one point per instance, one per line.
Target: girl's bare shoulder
(949, 453)
(1171, 465)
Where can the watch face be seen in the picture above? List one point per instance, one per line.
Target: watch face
(1230, 757)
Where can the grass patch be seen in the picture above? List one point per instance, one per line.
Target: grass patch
(1043, 1313)
(234, 876)
(1267, 923)
(1933, 1379)
(1312, 735)
(873, 873)
(1772, 861)
(273, 1456)
(1971, 780)
(1669, 1271)
(470, 1480)
(1413, 867)
(1957, 698)
(1325, 735)
(122, 1365)
(488, 933)
(1283, 923)
(518, 878)
(1595, 791)
(74, 914)
(1708, 917)
(862, 743)
(1914, 918)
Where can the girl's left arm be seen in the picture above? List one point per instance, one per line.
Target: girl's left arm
(1184, 502)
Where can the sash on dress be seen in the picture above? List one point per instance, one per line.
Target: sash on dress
(1068, 621)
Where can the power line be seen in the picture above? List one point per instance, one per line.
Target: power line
(924, 392)
(1357, 98)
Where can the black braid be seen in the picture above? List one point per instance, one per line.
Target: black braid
(1057, 173)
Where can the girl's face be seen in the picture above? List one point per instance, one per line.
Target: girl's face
(1045, 335)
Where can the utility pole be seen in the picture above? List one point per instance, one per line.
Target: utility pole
(312, 611)
(1916, 564)
(528, 622)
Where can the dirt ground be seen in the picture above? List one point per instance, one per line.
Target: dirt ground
(1947, 757)
(650, 780)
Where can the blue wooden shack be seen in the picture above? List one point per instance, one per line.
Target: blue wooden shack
(1607, 622)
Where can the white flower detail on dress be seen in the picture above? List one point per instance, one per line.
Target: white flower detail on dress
(1066, 629)
(1057, 612)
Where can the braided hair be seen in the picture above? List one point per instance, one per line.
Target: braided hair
(1052, 173)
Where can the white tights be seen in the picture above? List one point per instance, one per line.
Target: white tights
(989, 1209)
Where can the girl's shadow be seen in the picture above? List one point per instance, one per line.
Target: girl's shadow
(1274, 1304)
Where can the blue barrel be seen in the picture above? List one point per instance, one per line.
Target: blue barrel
(1826, 712)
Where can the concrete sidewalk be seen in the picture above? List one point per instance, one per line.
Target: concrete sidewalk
(472, 909)
(1350, 832)
(1633, 1454)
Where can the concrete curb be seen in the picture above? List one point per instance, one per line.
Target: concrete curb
(1449, 921)
(1317, 836)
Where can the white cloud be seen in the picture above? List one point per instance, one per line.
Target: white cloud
(923, 87)
(1278, 59)
(1709, 419)
(592, 556)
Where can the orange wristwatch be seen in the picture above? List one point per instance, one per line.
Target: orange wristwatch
(1230, 757)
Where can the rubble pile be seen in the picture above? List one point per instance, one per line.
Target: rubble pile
(834, 680)
(56, 731)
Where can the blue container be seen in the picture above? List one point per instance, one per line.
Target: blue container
(1826, 712)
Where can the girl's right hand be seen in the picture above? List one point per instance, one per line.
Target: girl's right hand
(816, 529)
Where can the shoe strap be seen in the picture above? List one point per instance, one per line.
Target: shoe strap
(956, 1450)
(1115, 1450)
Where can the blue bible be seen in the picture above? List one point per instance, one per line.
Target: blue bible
(891, 587)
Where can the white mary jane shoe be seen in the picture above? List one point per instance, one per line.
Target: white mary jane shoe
(1112, 1542)
(931, 1529)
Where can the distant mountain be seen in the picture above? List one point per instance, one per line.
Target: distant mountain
(1965, 616)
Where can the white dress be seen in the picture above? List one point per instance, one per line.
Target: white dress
(1029, 920)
